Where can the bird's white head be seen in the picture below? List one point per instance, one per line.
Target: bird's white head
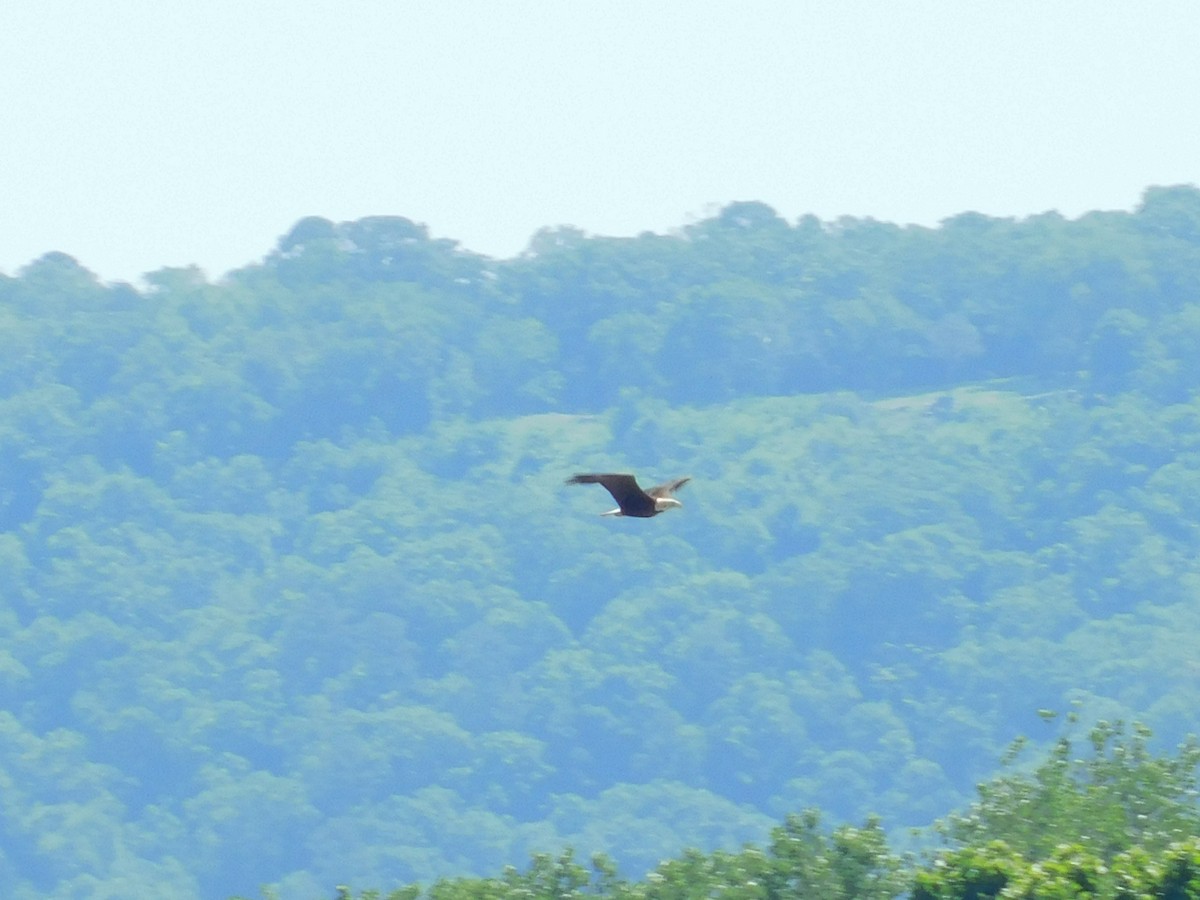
(661, 504)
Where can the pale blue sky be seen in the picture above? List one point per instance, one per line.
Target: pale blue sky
(144, 134)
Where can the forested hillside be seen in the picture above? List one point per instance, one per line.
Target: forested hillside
(293, 592)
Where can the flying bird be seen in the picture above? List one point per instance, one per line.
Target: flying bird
(631, 499)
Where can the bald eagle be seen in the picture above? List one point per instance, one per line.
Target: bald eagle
(631, 499)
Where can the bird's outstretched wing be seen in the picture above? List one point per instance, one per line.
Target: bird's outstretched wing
(624, 488)
(667, 488)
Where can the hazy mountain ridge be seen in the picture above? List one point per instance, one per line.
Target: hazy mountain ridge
(294, 591)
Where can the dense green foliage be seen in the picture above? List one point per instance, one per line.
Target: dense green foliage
(1120, 823)
(293, 592)
(1120, 795)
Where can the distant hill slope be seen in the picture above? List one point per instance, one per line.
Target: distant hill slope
(294, 593)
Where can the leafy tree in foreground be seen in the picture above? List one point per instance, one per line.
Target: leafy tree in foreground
(1121, 823)
(1069, 871)
(1122, 795)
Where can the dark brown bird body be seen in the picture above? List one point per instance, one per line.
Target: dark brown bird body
(631, 499)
